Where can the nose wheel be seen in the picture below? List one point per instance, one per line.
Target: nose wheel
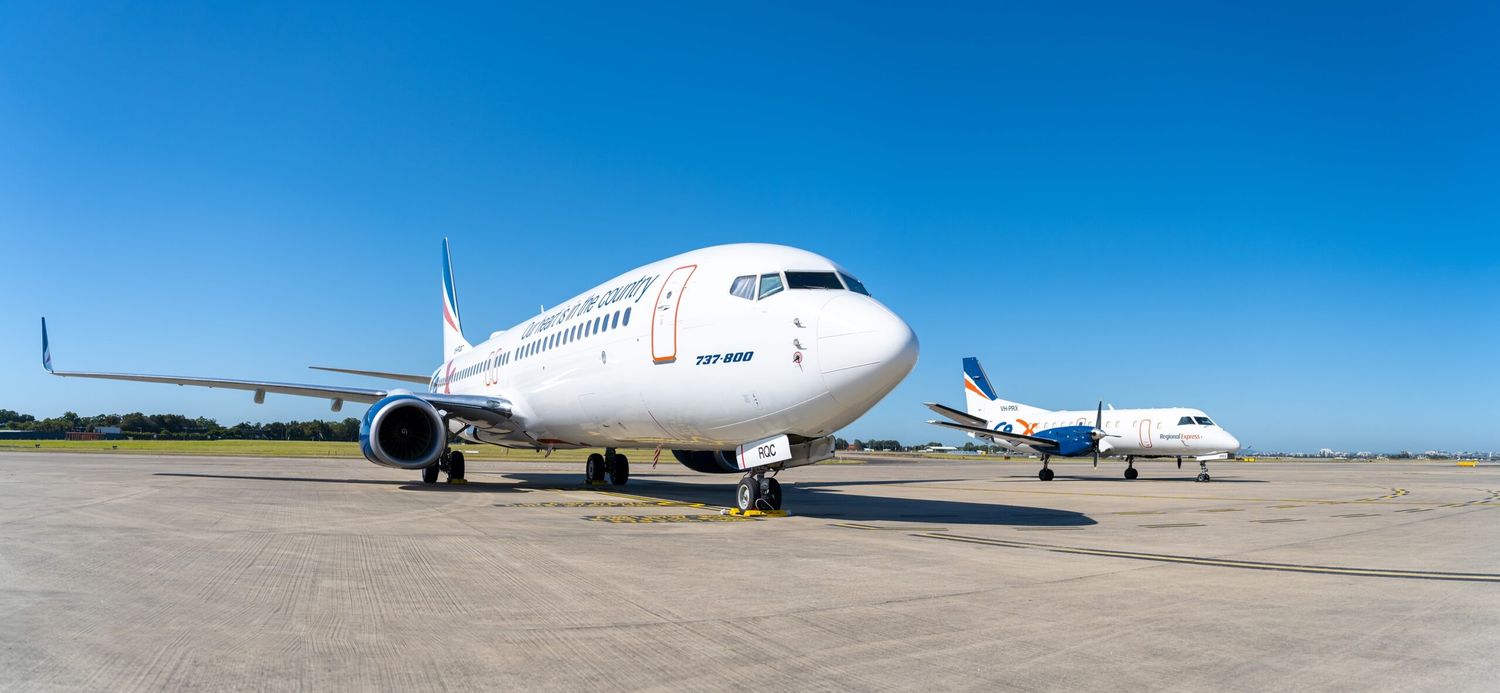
(757, 492)
(1203, 471)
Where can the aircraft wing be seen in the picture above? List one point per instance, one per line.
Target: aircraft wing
(1040, 444)
(404, 377)
(956, 415)
(472, 408)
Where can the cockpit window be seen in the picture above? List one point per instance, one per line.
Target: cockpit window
(744, 287)
(813, 280)
(854, 284)
(770, 284)
(1185, 421)
(1203, 421)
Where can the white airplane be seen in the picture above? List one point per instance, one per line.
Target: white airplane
(1129, 433)
(737, 358)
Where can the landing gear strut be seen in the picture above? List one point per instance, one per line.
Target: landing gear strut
(1046, 473)
(611, 464)
(1202, 470)
(758, 492)
(1130, 470)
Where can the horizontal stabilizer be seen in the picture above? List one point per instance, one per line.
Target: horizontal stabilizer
(956, 415)
(1040, 444)
(404, 377)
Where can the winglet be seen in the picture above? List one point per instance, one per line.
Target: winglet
(46, 350)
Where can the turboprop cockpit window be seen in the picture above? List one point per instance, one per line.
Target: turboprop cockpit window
(770, 284)
(1185, 421)
(813, 280)
(1204, 421)
(744, 287)
(854, 284)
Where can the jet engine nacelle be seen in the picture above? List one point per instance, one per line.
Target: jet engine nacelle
(707, 461)
(402, 432)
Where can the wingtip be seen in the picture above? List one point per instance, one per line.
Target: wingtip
(46, 348)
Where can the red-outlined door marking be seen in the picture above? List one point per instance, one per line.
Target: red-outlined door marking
(1145, 433)
(664, 319)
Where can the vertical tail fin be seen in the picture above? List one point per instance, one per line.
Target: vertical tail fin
(453, 330)
(981, 400)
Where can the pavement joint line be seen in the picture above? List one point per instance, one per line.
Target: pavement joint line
(1319, 501)
(1281, 519)
(1221, 562)
(1175, 524)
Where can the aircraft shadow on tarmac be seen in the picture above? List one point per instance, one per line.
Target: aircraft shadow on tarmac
(805, 499)
(822, 500)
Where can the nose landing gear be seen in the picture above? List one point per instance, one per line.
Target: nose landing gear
(1203, 470)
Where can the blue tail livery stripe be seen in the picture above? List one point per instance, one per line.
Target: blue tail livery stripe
(974, 373)
(450, 297)
(46, 350)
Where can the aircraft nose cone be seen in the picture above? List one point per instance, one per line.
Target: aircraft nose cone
(1232, 442)
(864, 350)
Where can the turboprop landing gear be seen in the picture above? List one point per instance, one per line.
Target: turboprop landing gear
(757, 492)
(1046, 473)
(1202, 470)
(1130, 470)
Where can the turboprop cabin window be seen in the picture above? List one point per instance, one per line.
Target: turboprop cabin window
(1203, 420)
(770, 284)
(744, 287)
(813, 280)
(854, 284)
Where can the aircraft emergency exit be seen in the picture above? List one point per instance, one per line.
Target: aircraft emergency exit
(1128, 433)
(737, 358)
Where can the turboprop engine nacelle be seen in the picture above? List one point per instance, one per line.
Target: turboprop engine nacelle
(402, 432)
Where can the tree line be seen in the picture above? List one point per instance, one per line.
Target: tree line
(180, 427)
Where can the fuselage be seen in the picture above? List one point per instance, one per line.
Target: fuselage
(1167, 432)
(701, 351)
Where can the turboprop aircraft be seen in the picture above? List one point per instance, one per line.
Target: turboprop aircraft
(1129, 433)
(737, 358)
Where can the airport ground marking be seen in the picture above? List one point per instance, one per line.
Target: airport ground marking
(1169, 525)
(1395, 493)
(1220, 562)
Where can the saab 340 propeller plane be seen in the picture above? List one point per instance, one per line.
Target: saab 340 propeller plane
(737, 358)
(1128, 433)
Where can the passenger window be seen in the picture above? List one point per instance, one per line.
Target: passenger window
(1185, 421)
(854, 284)
(813, 280)
(616, 321)
(627, 316)
(770, 284)
(744, 287)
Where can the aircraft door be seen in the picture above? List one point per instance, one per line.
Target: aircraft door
(1145, 433)
(664, 319)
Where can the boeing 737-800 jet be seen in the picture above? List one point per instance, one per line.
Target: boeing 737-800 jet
(737, 358)
(1128, 433)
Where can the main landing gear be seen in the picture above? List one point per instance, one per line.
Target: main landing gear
(758, 492)
(1130, 470)
(611, 464)
(452, 462)
(1046, 473)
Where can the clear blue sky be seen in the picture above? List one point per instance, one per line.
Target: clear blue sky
(1287, 214)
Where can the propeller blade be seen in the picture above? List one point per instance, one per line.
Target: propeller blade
(1096, 456)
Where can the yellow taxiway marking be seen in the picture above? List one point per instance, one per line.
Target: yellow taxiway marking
(1220, 562)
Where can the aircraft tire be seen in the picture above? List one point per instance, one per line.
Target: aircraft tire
(1203, 476)
(619, 470)
(1131, 473)
(1045, 474)
(747, 494)
(770, 492)
(594, 468)
(456, 466)
(430, 473)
